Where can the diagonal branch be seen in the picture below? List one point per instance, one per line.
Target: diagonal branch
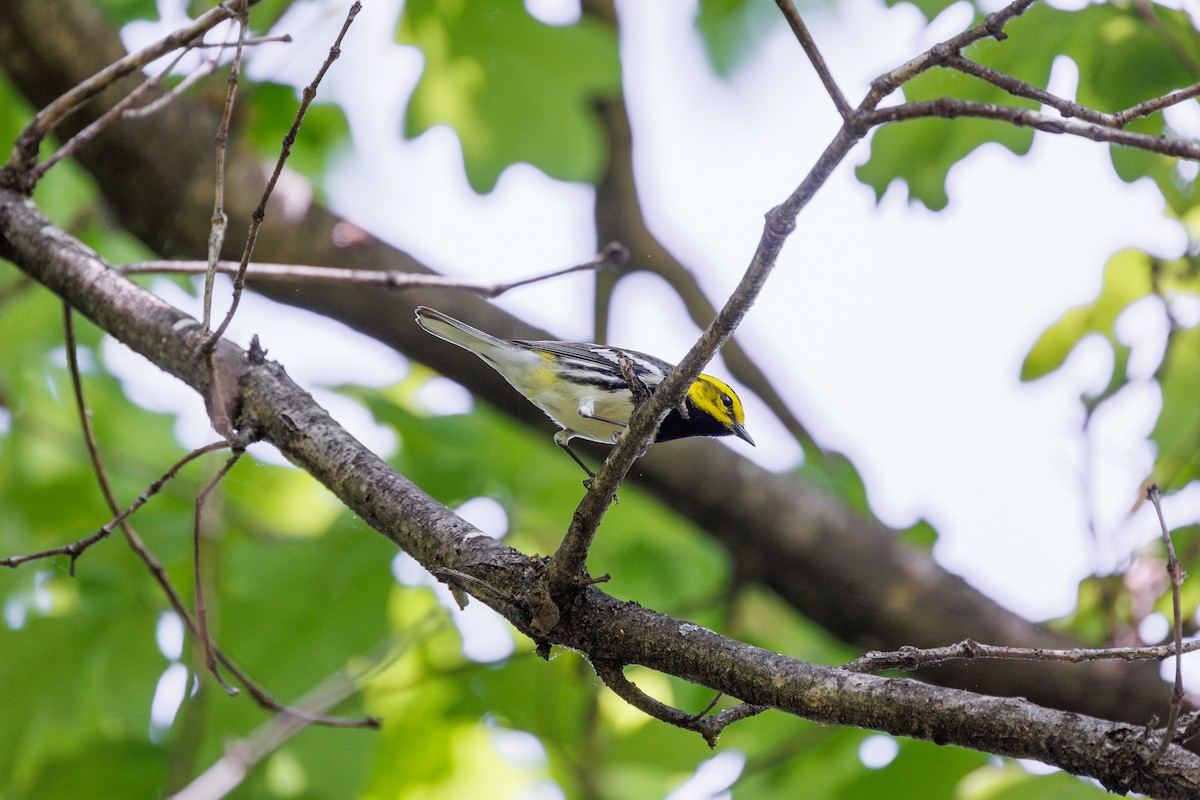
(24, 152)
(614, 255)
(605, 629)
(794, 538)
(912, 658)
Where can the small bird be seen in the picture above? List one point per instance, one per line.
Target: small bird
(583, 387)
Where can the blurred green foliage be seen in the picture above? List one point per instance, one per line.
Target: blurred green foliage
(303, 591)
(493, 73)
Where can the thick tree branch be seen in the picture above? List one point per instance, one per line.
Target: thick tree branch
(605, 629)
(848, 573)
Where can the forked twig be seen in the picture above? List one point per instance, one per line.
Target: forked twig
(570, 560)
(24, 153)
(85, 136)
(260, 695)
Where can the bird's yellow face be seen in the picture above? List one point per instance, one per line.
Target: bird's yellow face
(717, 400)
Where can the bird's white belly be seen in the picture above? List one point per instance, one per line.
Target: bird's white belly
(561, 402)
(565, 410)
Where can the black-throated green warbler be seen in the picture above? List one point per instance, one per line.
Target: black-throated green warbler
(582, 388)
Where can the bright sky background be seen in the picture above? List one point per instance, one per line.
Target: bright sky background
(896, 333)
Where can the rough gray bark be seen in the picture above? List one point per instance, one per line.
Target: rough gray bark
(848, 573)
(607, 630)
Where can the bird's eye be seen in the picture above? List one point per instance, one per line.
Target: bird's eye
(727, 401)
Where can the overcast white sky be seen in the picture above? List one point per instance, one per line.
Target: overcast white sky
(896, 333)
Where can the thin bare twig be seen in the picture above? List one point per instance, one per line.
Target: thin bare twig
(1175, 570)
(85, 136)
(913, 658)
(1148, 107)
(85, 421)
(210, 659)
(240, 757)
(219, 221)
(260, 213)
(709, 727)
(206, 68)
(1068, 108)
(613, 255)
(949, 108)
(1019, 88)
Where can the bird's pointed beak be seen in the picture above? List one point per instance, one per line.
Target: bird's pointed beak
(740, 432)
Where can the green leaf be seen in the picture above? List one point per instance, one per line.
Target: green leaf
(733, 29)
(120, 12)
(512, 88)
(15, 112)
(79, 674)
(89, 772)
(1008, 781)
(837, 475)
(1128, 277)
(921, 152)
(1103, 606)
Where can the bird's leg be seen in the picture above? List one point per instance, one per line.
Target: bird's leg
(564, 441)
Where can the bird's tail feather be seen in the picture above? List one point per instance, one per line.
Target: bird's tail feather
(454, 331)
